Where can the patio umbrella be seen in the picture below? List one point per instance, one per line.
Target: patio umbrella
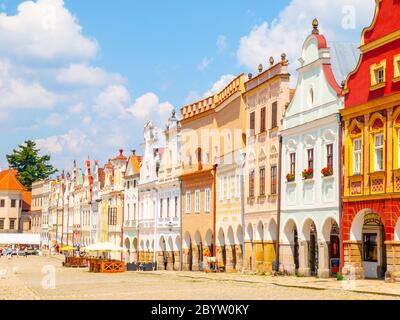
(67, 248)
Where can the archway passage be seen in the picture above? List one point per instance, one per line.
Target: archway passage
(289, 248)
(221, 251)
(373, 247)
(365, 252)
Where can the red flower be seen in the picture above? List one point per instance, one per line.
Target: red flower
(327, 172)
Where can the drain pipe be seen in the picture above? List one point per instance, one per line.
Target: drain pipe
(278, 231)
(341, 191)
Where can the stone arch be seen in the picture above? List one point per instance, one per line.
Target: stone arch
(142, 245)
(135, 244)
(221, 237)
(128, 244)
(231, 237)
(326, 229)
(397, 231)
(288, 231)
(250, 233)
(170, 244)
(178, 243)
(208, 240)
(260, 231)
(358, 224)
(308, 225)
(272, 230)
(148, 245)
(197, 238)
(187, 241)
(239, 234)
(162, 244)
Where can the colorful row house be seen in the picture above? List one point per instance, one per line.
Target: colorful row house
(371, 117)
(310, 175)
(266, 97)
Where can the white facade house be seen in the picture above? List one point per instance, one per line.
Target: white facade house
(148, 194)
(310, 198)
(131, 207)
(169, 199)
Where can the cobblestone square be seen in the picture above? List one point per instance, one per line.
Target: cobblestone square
(31, 279)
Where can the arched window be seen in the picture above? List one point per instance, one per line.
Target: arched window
(312, 96)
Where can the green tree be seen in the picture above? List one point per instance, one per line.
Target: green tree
(29, 164)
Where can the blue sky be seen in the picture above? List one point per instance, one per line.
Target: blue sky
(82, 77)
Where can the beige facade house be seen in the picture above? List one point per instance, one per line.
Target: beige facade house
(36, 207)
(266, 97)
(11, 202)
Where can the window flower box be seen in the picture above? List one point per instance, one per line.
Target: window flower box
(327, 172)
(308, 174)
(290, 177)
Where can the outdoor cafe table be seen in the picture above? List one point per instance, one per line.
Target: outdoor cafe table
(75, 262)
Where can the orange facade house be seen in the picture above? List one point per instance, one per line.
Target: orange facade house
(371, 119)
(204, 140)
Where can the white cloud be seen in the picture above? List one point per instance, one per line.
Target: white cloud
(112, 101)
(44, 30)
(204, 64)
(82, 74)
(54, 120)
(148, 106)
(76, 108)
(74, 141)
(288, 32)
(18, 94)
(219, 85)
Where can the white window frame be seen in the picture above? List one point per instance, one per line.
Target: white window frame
(207, 198)
(188, 204)
(221, 188)
(237, 186)
(357, 156)
(398, 148)
(228, 188)
(197, 201)
(378, 150)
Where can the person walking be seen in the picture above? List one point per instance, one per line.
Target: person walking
(17, 251)
(26, 252)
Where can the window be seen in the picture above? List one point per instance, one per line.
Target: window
(378, 145)
(310, 162)
(176, 207)
(2, 203)
(397, 66)
(237, 186)
(356, 156)
(329, 155)
(161, 208)
(197, 201)
(1, 224)
(293, 163)
(12, 224)
(251, 183)
(312, 96)
(13, 203)
(167, 207)
(370, 248)
(274, 115)
(221, 188)
(262, 182)
(262, 121)
(188, 206)
(112, 216)
(252, 123)
(134, 212)
(228, 188)
(380, 75)
(274, 174)
(208, 200)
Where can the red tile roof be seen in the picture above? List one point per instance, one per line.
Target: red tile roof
(9, 181)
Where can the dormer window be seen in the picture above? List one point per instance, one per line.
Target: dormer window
(396, 68)
(378, 75)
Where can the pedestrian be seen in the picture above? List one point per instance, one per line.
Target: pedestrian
(26, 252)
(17, 251)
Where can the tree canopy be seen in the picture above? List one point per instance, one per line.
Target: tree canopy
(29, 164)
